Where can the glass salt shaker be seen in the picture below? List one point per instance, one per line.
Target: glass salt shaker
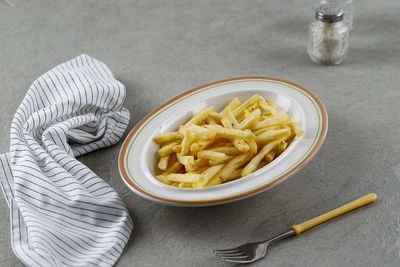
(328, 35)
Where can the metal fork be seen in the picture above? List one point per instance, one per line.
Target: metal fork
(251, 252)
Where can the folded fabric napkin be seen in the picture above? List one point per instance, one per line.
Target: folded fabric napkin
(62, 213)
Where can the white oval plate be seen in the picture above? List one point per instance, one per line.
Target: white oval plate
(137, 158)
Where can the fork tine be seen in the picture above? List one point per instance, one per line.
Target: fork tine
(240, 260)
(231, 254)
(237, 257)
(221, 251)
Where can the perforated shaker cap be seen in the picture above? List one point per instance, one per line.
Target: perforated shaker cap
(329, 13)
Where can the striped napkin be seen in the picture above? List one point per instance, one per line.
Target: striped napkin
(62, 213)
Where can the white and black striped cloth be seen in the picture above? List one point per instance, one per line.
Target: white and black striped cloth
(62, 213)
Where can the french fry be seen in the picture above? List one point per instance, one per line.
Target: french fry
(204, 135)
(231, 119)
(262, 130)
(210, 120)
(185, 185)
(234, 164)
(200, 145)
(232, 105)
(233, 175)
(212, 155)
(209, 173)
(186, 141)
(167, 137)
(295, 126)
(241, 145)
(173, 168)
(270, 156)
(216, 116)
(226, 149)
(272, 104)
(200, 117)
(213, 162)
(230, 133)
(184, 178)
(163, 163)
(266, 107)
(245, 105)
(253, 147)
(278, 119)
(163, 179)
(167, 149)
(250, 120)
(252, 165)
(185, 160)
(281, 147)
(262, 164)
(272, 135)
(213, 181)
(177, 148)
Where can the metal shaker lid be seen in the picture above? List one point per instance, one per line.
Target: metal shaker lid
(329, 13)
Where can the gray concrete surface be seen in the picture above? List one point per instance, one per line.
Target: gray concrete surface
(160, 48)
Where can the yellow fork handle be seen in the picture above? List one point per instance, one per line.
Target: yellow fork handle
(362, 201)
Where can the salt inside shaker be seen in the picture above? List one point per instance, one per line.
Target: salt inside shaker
(328, 35)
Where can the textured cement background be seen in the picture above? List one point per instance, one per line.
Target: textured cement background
(160, 48)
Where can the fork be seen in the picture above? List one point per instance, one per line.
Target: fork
(251, 252)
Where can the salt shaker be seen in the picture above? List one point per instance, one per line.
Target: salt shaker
(328, 35)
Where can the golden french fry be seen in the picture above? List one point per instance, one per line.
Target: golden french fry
(185, 185)
(213, 162)
(272, 104)
(213, 181)
(209, 173)
(275, 120)
(240, 145)
(226, 149)
(231, 119)
(186, 141)
(253, 147)
(208, 154)
(173, 168)
(270, 156)
(205, 135)
(266, 107)
(272, 135)
(167, 149)
(245, 105)
(163, 163)
(185, 160)
(281, 147)
(185, 178)
(210, 120)
(252, 165)
(262, 164)
(230, 133)
(295, 126)
(216, 116)
(163, 179)
(200, 145)
(200, 117)
(177, 148)
(234, 164)
(232, 105)
(250, 120)
(262, 130)
(167, 137)
(233, 175)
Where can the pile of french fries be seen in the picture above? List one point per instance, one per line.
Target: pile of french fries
(218, 147)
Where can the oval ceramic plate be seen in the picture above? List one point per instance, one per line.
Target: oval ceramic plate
(137, 158)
